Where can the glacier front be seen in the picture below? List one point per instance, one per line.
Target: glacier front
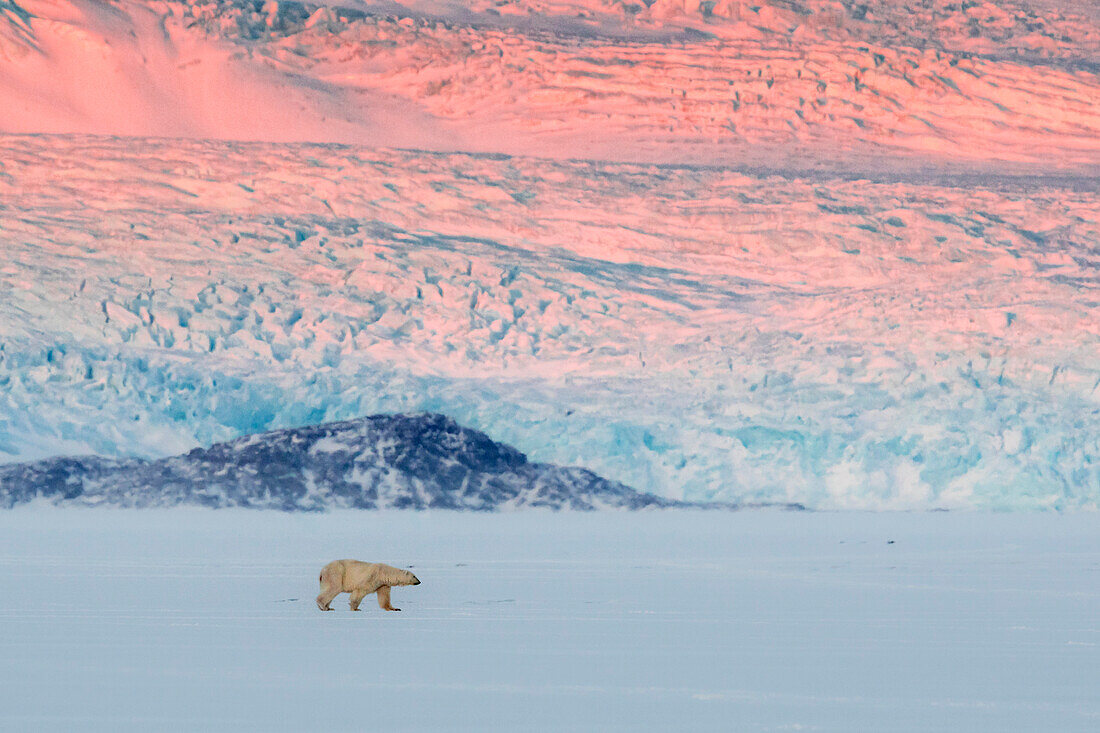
(701, 333)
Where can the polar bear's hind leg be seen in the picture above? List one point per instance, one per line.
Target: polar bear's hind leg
(325, 599)
(330, 588)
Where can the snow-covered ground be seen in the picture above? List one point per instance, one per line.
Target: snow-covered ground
(120, 620)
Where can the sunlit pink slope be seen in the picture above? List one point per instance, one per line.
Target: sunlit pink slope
(1011, 84)
(134, 69)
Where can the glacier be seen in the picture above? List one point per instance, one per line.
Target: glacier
(836, 254)
(701, 333)
(817, 85)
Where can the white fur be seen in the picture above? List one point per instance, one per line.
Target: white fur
(361, 579)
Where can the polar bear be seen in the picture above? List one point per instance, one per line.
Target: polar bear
(361, 579)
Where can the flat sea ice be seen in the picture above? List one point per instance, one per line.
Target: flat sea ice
(117, 620)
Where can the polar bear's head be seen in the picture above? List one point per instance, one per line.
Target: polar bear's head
(389, 575)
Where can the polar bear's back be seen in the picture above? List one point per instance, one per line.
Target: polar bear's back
(347, 574)
(350, 575)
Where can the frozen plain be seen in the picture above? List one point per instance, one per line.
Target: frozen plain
(196, 620)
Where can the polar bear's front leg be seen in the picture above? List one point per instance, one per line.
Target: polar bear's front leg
(357, 598)
(384, 599)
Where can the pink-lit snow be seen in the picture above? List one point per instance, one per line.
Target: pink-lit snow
(695, 332)
(817, 85)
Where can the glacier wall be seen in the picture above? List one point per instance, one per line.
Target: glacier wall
(701, 333)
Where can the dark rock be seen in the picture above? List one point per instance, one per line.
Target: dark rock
(416, 461)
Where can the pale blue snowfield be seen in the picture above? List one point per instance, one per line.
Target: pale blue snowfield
(116, 620)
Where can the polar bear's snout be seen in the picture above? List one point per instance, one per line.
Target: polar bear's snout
(416, 580)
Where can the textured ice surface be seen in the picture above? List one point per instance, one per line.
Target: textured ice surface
(698, 333)
(115, 620)
(809, 84)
